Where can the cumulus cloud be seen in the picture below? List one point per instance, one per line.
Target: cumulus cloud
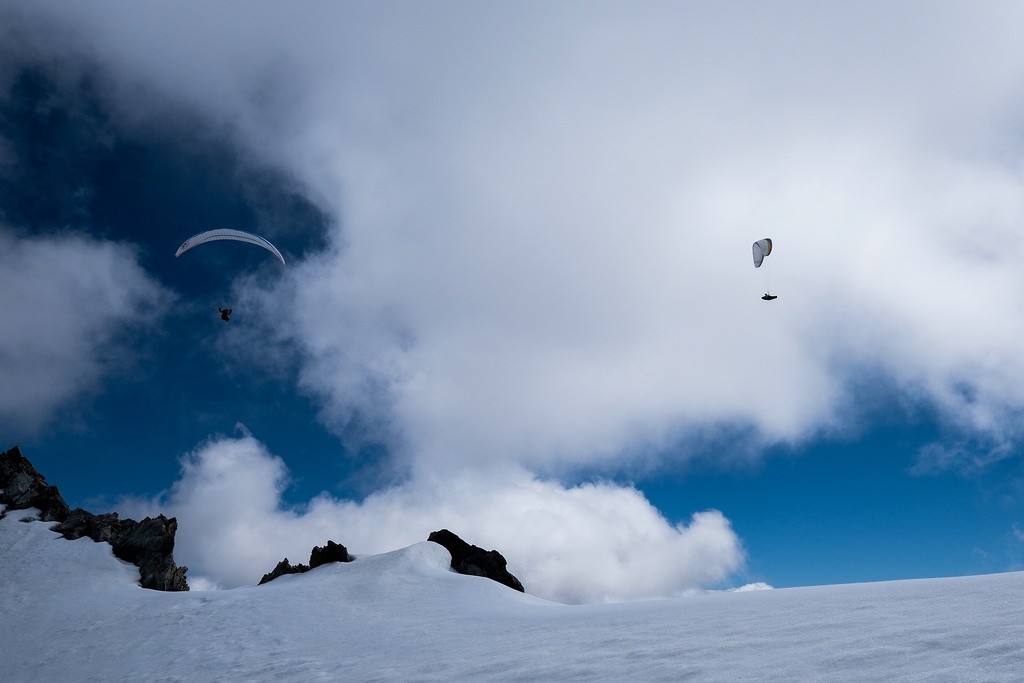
(547, 259)
(589, 543)
(68, 303)
(545, 212)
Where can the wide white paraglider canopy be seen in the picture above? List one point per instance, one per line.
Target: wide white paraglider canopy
(225, 234)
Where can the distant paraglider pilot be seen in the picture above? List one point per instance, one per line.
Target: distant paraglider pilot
(224, 313)
(761, 250)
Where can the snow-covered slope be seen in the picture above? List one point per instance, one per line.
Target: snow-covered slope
(71, 611)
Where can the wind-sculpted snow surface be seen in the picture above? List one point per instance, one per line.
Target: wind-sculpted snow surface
(72, 611)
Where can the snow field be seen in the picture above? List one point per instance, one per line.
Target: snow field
(71, 611)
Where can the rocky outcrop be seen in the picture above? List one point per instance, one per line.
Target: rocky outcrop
(283, 568)
(332, 552)
(474, 561)
(23, 487)
(148, 544)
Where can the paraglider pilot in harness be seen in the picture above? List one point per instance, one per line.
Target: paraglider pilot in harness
(224, 313)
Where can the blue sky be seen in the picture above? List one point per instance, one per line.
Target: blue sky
(519, 299)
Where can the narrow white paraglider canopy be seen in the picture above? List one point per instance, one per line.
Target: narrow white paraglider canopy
(761, 249)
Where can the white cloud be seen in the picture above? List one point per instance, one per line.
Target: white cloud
(758, 586)
(589, 543)
(545, 212)
(66, 302)
(565, 276)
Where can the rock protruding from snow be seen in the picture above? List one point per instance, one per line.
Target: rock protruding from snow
(332, 552)
(475, 561)
(23, 487)
(283, 568)
(148, 544)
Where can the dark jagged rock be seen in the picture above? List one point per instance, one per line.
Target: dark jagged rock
(283, 568)
(23, 487)
(82, 523)
(474, 561)
(148, 544)
(332, 552)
